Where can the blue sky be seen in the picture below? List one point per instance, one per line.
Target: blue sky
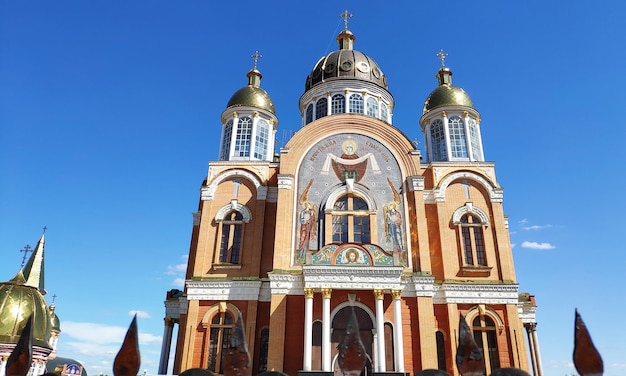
(110, 112)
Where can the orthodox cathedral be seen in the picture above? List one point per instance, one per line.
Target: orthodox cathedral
(350, 216)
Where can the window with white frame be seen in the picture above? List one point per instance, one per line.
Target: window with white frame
(261, 142)
(384, 113)
(356, 104)
(458, 138)
(338, 104)
(321, 108)
(438, 141)
(228, 134)
(486, 337)
(474, 140)
(231, 238)
(220, 333)
(472, 240)
(243, 137)
(372, 107)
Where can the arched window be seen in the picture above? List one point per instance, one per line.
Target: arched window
(309, 114)
(458, 138)
(243, 137)
(441, 350)
(472, 240)
(384, 113)
(261, 142)
(474, 140)
(228, 134)
(372, 107)
(231, 236)
(321, 108)
(438, 141)
(484, 329)
(220, 332)
(350, 220)
(264, 342)
(356, 104)
(338, 104)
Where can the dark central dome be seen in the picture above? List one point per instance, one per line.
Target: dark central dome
(346, 64)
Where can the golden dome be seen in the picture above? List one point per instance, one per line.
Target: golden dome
(17, 303)
(252, 96)
(446, 94)
(55, 323)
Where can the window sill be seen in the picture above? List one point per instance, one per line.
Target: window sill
(226, 266)
(474, 271)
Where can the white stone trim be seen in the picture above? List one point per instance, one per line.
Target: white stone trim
(415, 183)
(285, 181)
(175, 308)
(438, 194)
(352, 278)
(471, 209)
(288, 284)
(234, 205)
(423, 286)
(207, 192)
(453, 293)
(223, 290)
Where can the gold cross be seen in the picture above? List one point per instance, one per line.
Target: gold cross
(442, 55)
(346, 16)
(256, 58)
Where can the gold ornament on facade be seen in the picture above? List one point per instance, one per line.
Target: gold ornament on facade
(396, 294)
(326, 293)
(379, 294)
(308, 293)
(465, 114)
(444, 114)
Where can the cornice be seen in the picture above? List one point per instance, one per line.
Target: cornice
(223, 290)
(448, 293)
(354, 278)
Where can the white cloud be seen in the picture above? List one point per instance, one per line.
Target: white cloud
(178, 268)
(513, 245)
(536, 245)
(536, 227)
(179, 282)
(523, 221)
(92, 335)
(140, 314)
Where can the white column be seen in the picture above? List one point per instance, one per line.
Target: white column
(537, 352)
(166, 346)
(308, 328)
(531, 349)
(326, 345)
(446, 132)
(398, 341)
(380, 329)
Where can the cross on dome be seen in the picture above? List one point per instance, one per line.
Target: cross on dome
(442, 55)
(256, 57)
(346, 16)
(25, 250)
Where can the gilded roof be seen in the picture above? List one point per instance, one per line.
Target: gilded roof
(253, 96)
(447, 95)
(346, 64)
(55, 323)
(17, 303)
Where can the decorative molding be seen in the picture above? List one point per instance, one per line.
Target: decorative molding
(288, 284)
(457, 293)
(415, 183)
(439, 193)
(352, 278)
(528, 314)
(471, 209)
(285, 181)
(234, 205)
(379, 294)
(272, 194)
(422, 286)
(175, 308)
(208, 191)
(223, 290)
(196, 218)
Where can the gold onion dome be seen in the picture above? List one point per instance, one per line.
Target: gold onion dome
(446, 94)
(18, 302)
(346, 64)
(252, 94)
(55, 323)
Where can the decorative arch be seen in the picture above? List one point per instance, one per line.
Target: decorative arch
(234, 205)
(355, 304)
(209, 191)
(468, 208)
(439, 193)
(485, 311)
(357, 189)
(219, 307)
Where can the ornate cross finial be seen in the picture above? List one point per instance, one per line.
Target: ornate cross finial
(44, 229)
(54, 297)
(442, 55)
(256, 57)
(346, 16)
(25, 250)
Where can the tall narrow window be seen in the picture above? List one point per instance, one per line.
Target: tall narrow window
(389, 348)
(228, 134)
(356, 104)
(458, 138)
(244, 136)
(309, 114)
(474, 140)
(351, 220)
(438, 141)
(372, 107)
(264, 349)
(472, 240)
(321, 108)
(232, 231)
(338, 104)
(484, 329)
(441, 350)
(220, 333)
(384, 113)
(261, 142)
